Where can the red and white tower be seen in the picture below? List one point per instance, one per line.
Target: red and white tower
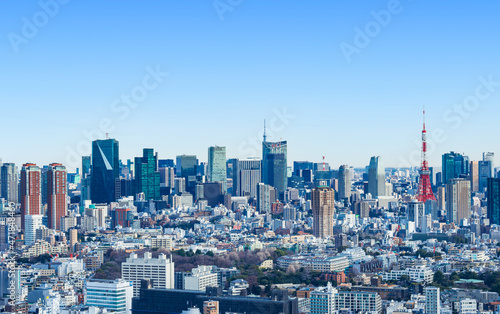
(424, 188)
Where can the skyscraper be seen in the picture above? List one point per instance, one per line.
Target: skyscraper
(105, 171)
(147, 177)
(264, 198)
(344, 182)
(494, 201)
(186, 166)
(455, 165)
(474, 175)
(246, 176)
(376, 177)
(10, 181)
(458, 200)
(486, 170)
(323, 206)
(57, 193)
(167, 177)
(31, 191)
(217, 171)
(274, 165)
(86, 165)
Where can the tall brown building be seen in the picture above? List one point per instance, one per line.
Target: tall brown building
(323, 206)
(474, 175)
(56, 195)
(31, 191)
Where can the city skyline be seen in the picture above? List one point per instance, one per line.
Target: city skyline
(248, 68)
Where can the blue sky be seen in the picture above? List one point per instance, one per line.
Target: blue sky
(226, 76)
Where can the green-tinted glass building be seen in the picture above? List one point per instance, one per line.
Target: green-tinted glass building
(217, 171)
(147, 176)
(494, 201)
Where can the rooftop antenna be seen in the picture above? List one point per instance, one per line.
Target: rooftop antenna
(265, 136)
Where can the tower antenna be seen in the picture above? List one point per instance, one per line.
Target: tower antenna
(424, 185)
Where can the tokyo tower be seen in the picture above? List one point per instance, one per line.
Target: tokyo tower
(424, 186)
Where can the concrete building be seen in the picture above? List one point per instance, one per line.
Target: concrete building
(32, 224)
(432, 300)
(323, 206)
(57, 193)
(113, 295)
(160, 270)
(323, 300)
(201, 278)
(458, 200)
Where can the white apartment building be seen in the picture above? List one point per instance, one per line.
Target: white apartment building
(113, 295)
(323, 300)
(163, 242)
(160, 270)
(466, 306)
(32, 223)
(316, 263)
(201, 278)
(365, 302)
(417, 274)
(432, 300)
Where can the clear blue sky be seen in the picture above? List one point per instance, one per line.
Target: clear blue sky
(227, 76)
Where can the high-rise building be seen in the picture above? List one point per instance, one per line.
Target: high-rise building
(186, 166)
(32, 224)
(57, 205)
(10, 181)
(160, 270)
(458, 200)
(217, 171)
(474, 175)
(274, 165)
(323, 207)
(167, 177)
(31, 191)
(246, 176)
(416, 210)
(432, 300)
(113, 295)
(376, 177)
(264, 198)
(494, 200)
(486, 170)
(441, 198)
(105, 171)
(147, 177)
(86, 166)
(73, 239)
(345, 176)
(454, 165)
